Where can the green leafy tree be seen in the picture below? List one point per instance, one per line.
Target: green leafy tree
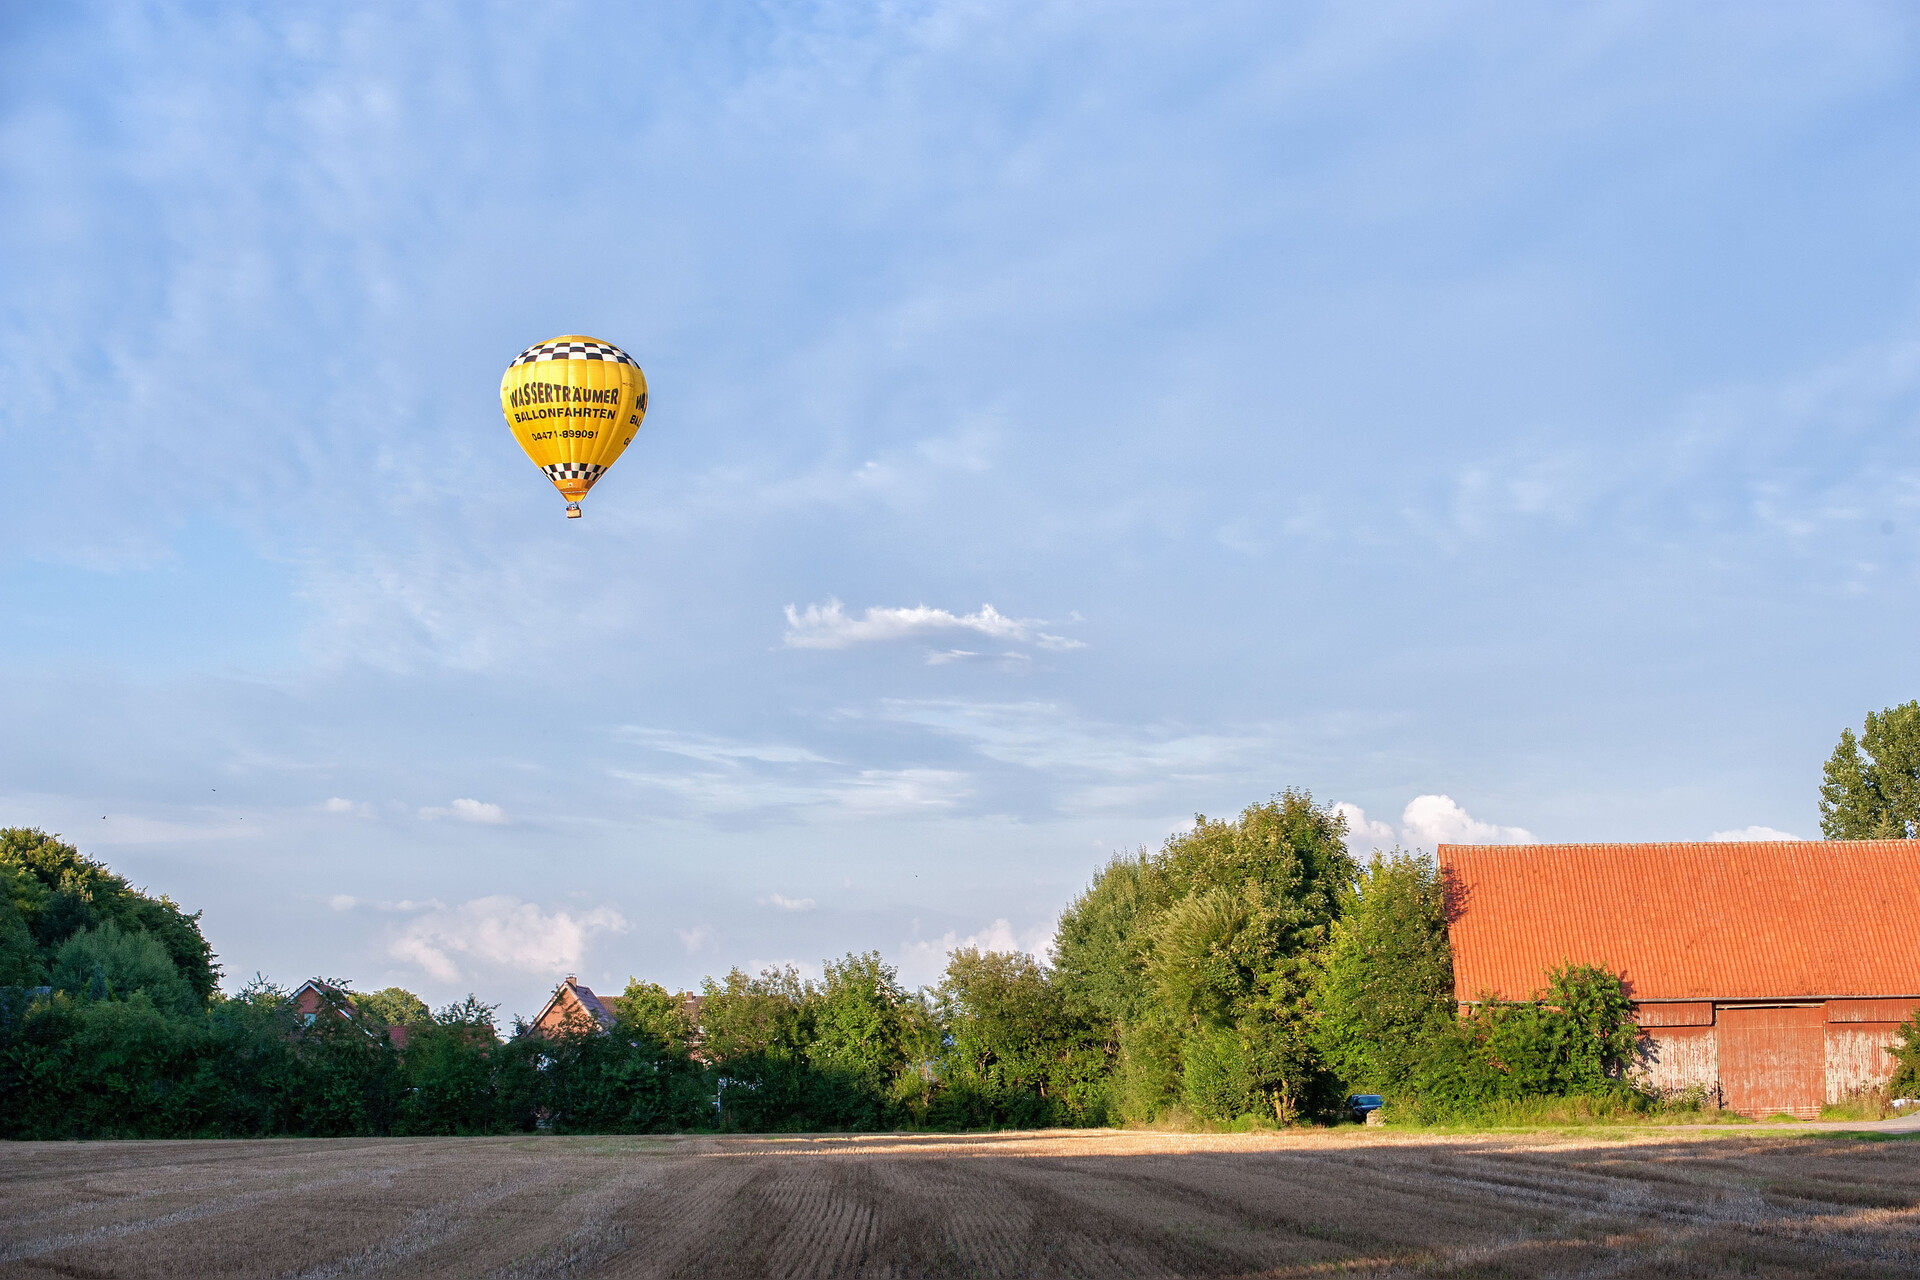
(1020, 1053)
(923, 1043)
(20, 962)
(640, 1077)
(1906, 1058)
(1222, 931)
(858, 1026)
(350, 1078)
(1596, 1037)
(1099, 952)
(858, 1044)
(252, 1079)
(658, 1013)
(754, 1033)
(110, 961)
(393, 1007)
(764, 1015)
(447, 1072)
(1100, 966)
(60, 892)
(1387, 990)
(580, 1080)
(1870, 788)
(97, 1069)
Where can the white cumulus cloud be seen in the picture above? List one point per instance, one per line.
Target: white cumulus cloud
(789, 904)
(500, 932)
(1427, 821)
(1363, 833)
(491, 815)
(827, 626)
(1753, 833)
(1432, 820)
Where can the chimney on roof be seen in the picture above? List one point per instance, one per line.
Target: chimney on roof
(569, 979)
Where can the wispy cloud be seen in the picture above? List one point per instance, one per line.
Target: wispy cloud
(1044, 735)
(900, 790)
(696, 746)
(865, 792)
(827, 626)
(785, 903)
(500, 933)
(347, 902)
(746, 777)
(940, 657)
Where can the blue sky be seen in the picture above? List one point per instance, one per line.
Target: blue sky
(1065, 419)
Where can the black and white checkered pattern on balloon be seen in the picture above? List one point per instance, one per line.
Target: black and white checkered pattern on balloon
(574, 351)
(588, 471)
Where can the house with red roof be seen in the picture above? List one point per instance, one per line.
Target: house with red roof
(573, 1008)
(1773, 974)
(316, 998)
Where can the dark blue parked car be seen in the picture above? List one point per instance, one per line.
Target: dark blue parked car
(1360, 1105)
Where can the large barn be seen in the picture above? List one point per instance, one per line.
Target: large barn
(1775, 973)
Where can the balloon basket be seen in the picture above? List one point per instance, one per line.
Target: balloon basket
(573, 511)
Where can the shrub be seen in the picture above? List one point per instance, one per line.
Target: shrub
(1574, 1039)
(1906, 1059)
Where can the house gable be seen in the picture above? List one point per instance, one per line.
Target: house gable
(573, 1008)
(313, 998)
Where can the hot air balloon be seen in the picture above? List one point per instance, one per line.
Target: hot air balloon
(574, 404)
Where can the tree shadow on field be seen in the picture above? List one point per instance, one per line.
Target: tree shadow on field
(947, 1207)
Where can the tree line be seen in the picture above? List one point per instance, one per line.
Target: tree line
(1249, 972)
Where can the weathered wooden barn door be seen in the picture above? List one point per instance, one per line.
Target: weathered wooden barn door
(1773, 1060)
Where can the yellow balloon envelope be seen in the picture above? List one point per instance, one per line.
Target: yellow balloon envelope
(574, 404)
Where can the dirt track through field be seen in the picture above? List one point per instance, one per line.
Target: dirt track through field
(1348, 1202)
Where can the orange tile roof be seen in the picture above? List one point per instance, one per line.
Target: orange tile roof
(1696, 921)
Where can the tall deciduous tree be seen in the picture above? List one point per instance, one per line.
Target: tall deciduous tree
(859, 1021)
(1204, 956)
(1388, 985)
(656, 1012)
(20, 961)
(59, 892)
(119, 963)
(1870, 789)
(1021, 1053)
(395, 1006)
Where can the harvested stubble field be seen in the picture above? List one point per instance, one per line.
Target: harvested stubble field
(1348, 1202)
